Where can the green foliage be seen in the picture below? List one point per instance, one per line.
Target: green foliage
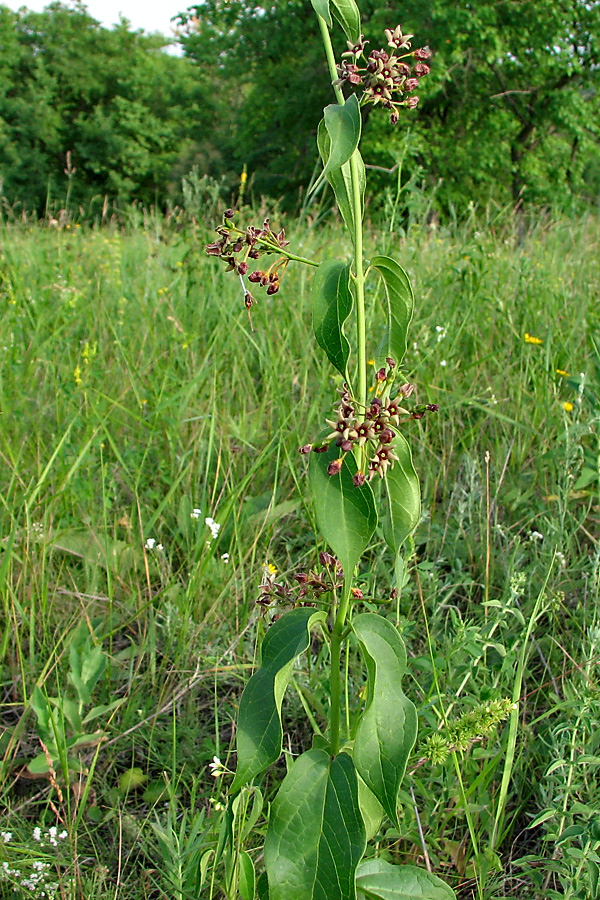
(387, 730)
(345, 513)
(129, 115)
(259, 732)
(316, 835)
(332, 304)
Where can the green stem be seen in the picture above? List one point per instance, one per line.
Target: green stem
(359, 283)
(337, 638)
(359, 272)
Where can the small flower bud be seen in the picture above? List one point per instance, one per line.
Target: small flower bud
(322, 449)
(327, 560)
(334, 466)
(390, 362)
(406, 389)
(357, 593)
(358, 479)
(242, 268)
(411, 84)
(305, 450)
(381, 374)
(254, 254)
(255, 277)
(432, 407)
(421, 69)
(249, 300)
(422, 53)
(417, 415)
(229, 214)
(237, 247)
(411, 102)
(273, 287)
(346, 446)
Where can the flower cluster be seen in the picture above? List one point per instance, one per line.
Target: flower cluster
(472, 727)
(386, 77)
(376, 426)
(31, 874)
(237, 246)
(308, 588)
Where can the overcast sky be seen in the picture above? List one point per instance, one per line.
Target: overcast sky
(151, 15)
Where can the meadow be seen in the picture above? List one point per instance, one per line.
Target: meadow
(139, 399)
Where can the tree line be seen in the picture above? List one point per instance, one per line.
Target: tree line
(508, 112)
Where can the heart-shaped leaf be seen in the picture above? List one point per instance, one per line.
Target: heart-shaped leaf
(332, 304)
(346, 514)
(259, 731)
(387, 729)
(400, 303)
(316, 835)
(402, 498)
(377, 879)
(343, 125)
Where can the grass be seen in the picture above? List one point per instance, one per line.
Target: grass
(134, 389)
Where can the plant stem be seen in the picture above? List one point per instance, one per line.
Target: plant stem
(337, 634)
(337, 637)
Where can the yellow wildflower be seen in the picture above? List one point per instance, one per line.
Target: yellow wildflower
(562, 372)
(77, 376)
(568, 407)
(530, 339)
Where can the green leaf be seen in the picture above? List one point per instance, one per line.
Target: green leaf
(247, 883)
(332, 304)
(341, 179)
(387, 729)
(370, 808)
(346, 514)
(400, 303)
(348, 15)
(343, 125)
(322, 8)
(316, 835)
(377, 879)
(402, 498)
(259, 732)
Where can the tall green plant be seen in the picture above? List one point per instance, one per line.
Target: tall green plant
(360, 473)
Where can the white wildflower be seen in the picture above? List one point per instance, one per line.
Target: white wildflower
(536, 536)
(195, 513)
(6, 836)
(442, 331)
(216, 767)
(225, 557)
(150, 542)
(214, 527)
(37, 834)
(443, 362)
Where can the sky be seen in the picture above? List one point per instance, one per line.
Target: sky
(151, 15)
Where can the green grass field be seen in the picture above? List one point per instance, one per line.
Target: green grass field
(135, 391)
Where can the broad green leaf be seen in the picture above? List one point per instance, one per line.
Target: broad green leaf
(377, 879)
(370, 808)
(247, 883)
(332, 304)
(322, 8)
(346, 514)
(341, 179)
(400, 303)
(402, 498)
(316, 835)
(387, 729)
(348, 15)
(343, 125)
(259, 732)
